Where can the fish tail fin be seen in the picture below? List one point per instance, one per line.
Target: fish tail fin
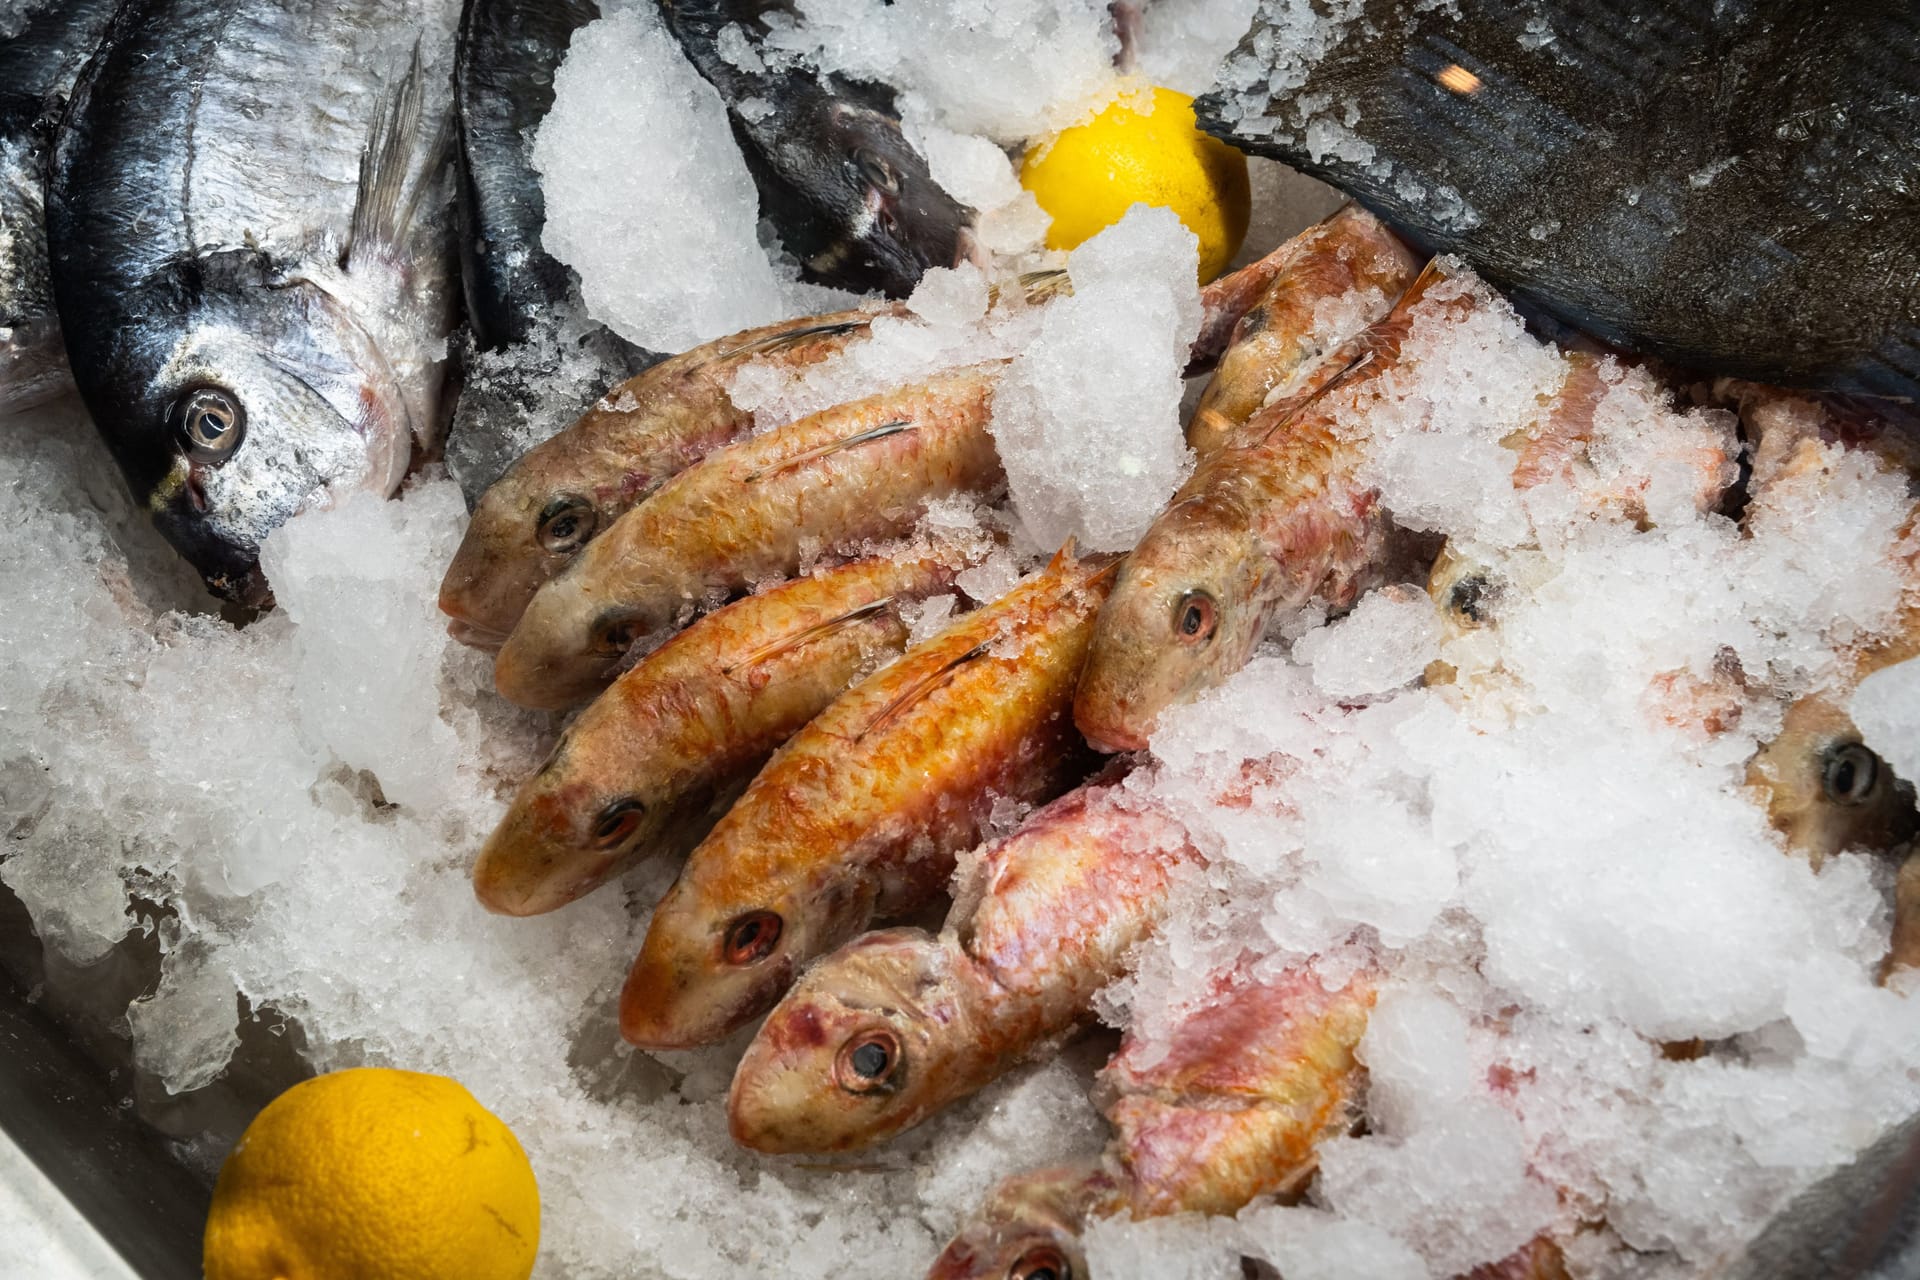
(807, 635)
(387, 199)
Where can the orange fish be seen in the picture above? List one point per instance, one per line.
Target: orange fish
(1275, 348)
(897, 1024)
(1273, 519)
(861, 813)
(853, 473)
(568, 488)
(1233, 1107)
(645, 769)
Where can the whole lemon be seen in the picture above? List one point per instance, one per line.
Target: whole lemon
(374, 1174)
(1088, 176)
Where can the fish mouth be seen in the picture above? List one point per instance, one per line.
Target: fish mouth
(231, 570)
(475, 635)
(1107, 729)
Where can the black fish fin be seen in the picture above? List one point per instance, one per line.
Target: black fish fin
(780, 341)
(384, 205)
(807, 635)
(880, 432)
(923, 686)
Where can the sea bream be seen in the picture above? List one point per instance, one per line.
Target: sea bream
(1274, 518)
(531, 358)
(897, 1024)
(571, 487)
(861, 814)
(38, 64)
(1276, 347)
(250, 257)
(750, 512)
(1234, 1105)
(649, 765)
(849, 196)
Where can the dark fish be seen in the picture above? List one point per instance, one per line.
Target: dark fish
(250, 261)
(520, 300)
(37, 68)
(851, 198)
(1729, 187)
(1861, 1222)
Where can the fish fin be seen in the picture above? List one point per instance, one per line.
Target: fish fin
(880, 432)
(1063, 557)
(922, 687)
(1044, 286)
(780, 341)
(807, 635)
(384, 205)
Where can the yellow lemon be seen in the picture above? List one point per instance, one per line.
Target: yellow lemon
(374, 1174)
(1088, 176)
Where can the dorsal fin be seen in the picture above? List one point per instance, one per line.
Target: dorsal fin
(807, 635)
(384, 205)
(778, 341)
(1063, 557)
(880, 432)
(925, 685)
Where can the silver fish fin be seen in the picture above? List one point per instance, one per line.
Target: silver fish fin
(922, 687)
(807, 635)
(813, 455)
(1044, 286)
(385, 204)
(780, 341)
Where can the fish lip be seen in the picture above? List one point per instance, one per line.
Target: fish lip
(475, 635)
(1106, 735)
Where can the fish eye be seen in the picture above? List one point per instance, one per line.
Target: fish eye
(617, 821)
(615, 633)
(1194, 618)
(566, 523)
(868, 1063)
(752, 937)
(209, 423)
(1043, 1262)
(1850, 773)
(875, 172)
(1469, 598)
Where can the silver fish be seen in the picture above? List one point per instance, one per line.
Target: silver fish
(251, 259)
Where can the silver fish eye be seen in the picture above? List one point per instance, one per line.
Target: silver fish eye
(209, 422)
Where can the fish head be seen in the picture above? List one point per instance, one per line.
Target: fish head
(569, 643)
(861, 1049)
(582, 819)
(260, 402)
(1826, 790)
(723, 946)
(885, 219)
(527, 527)
(1029, 1229)
(1183, 615)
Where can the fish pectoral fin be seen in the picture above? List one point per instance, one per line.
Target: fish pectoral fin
(387, 197)
(807, 635)
(880, 432)
(1040, 286)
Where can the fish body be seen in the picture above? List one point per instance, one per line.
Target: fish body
(250, 258)
(897, 1024)
(646, 767)
(38, 65)
(850, 196)
(1724, 189)
(1234, 1106)
(571, 487)
(1276, 347)
(752, 511)
(1271, 520)
(861, 814)
(519, 298)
